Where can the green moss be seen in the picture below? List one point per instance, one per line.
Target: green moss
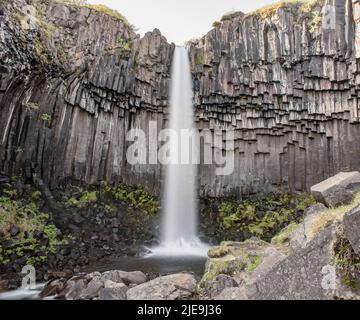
(216, 24)
(134, 198)
(28, 219)
(199, 61)
(347, 263)
(41, 52)
(32, 106)
(304, 201)
(46, 118)
(232, 15)
(254, 263)
(300, 9)
(218, 252)
(263, 218)
(36, 195)
(284, 234)
(106, 10)
(86, 198)
(215, 268)
(126, 45)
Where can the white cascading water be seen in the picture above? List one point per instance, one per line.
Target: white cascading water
(179, 227)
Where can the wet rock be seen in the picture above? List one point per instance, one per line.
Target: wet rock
(53, 288)
(337, 190)
(173, 287)
(4, 286)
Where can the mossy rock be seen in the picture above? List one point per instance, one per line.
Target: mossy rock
(284, 234)
(235, 259)
(222, 266)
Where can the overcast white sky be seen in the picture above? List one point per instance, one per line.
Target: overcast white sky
(179, 20)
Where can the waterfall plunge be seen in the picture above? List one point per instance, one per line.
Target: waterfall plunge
(179, 225)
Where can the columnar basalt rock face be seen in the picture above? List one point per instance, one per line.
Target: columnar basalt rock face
(74, 80)
(68, 98)
(287, 81)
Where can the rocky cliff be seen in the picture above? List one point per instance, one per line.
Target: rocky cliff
(286, 78)
(74, 80)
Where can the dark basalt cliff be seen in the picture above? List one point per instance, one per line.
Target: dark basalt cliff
(287, 80)
(74, 80)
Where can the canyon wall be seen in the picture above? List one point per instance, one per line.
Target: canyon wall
(286, 79)
(74, 80)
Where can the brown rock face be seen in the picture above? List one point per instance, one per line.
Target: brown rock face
(74, 80)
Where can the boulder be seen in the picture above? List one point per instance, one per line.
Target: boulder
(305, 274)
(173, 287)
(74, 289)
(92, 290)
(337, 190)
(113, 291)
(135, 277)
(53, 288)
(315, 208)
(216, 286)
(352, 228)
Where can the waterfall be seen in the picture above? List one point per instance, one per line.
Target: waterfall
(179, 234)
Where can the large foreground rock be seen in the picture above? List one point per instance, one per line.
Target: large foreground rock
(352, 228)
(173, 287)
(314, 260)
(337, 190)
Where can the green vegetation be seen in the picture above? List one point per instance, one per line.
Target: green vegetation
(46, 118)
(284, 234)
(216, 24)
(20, 222)
(32, 106)
(303, 10)
(347, 263)
(315, 23)
(106, 10)
(254, 263)
(232, 15)
(270, 10)
(199, 61)
(218, 252)
(236, 259)
(126, 45)
(215, 268)
(97, 7)
(134, 198)
(40, 51)
(86, 199)
(331, 215)
(263, 218)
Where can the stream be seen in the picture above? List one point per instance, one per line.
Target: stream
(151, 266)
